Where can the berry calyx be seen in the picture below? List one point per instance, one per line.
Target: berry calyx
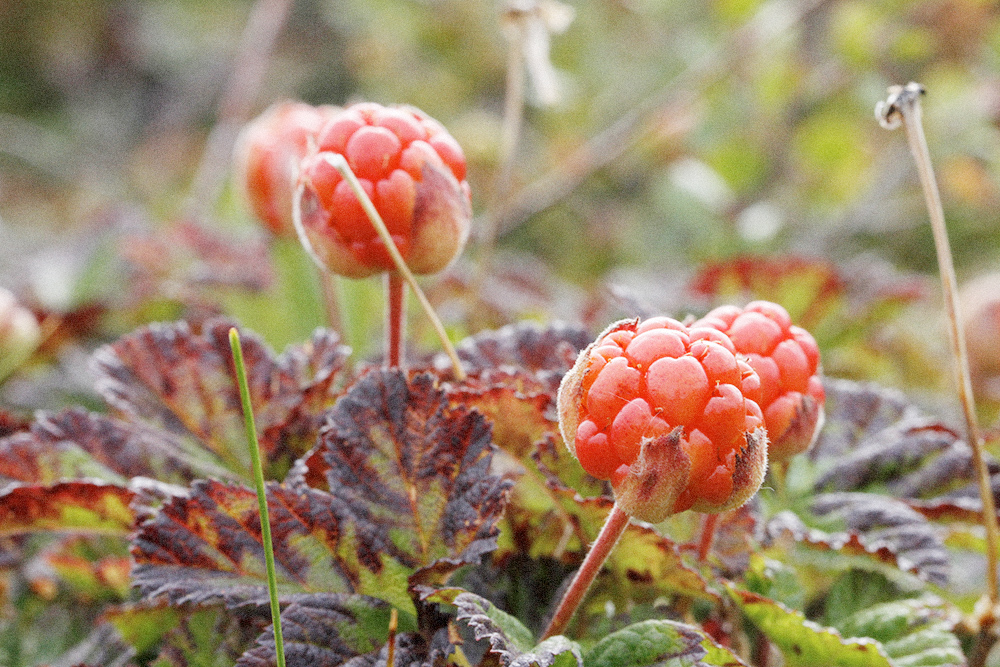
(267, 155)
(668, 415)
(786, 360)
(414, 173)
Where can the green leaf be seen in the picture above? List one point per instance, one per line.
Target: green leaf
(658, 642)
(912, 632)
(804, 643)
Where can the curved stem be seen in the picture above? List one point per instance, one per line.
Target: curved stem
(614, 526)
(903, 107)
(395, 323)
(338, 162)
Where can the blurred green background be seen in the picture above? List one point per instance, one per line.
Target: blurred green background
(678, 135)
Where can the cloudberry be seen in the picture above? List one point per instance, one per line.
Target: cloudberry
(267, 155)
(786, 359)
(414, 173)
(668, 415)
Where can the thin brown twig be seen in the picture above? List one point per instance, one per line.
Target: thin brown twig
(771, 21)
(253, 55)
(903, 108)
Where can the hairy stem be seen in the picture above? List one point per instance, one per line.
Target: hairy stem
(614, 526)
(708, 524)
(395, 322)
(903, 107)
(258, 475)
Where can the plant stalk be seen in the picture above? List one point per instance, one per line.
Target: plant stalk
(258, 475)
(338, 162)
(614, 527)
(708, 524)
(903, 107)
(395, 323)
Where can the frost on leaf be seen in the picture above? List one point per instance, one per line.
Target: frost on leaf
(876, 441)
(400, 455)
(182, 381)
(508, 638)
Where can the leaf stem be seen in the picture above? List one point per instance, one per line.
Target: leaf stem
(903, 107)
(338, 162)
(258, 474)
(612, 531)
(395, 322)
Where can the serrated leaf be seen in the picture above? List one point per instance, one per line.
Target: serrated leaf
(509, 638)
(658, 642)
(875, 440)
(912, 632)
(804, 643)
(324, 630)
(397, 453)
(182, 381)
(208, 547)
(548, 351)
(83, 507)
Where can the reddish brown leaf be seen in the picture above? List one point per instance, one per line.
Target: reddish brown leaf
(398, 454)
(75, 444)
(208, 547)
(85, 507)
(183, 382)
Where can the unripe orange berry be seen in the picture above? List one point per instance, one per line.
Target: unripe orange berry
(414, 173)
(786, 360)
(660, 411)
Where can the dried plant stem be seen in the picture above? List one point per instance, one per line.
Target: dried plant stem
(390, 653)
(338, 162)
(264, 24)
(903, 107)
(612, 531)
(258, 475)
(395, 296)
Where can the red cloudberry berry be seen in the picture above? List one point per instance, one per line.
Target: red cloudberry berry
(668, 415)
(414, 173)
(786, 359)
(267, 155)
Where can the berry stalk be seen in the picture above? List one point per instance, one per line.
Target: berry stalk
(339, 163)
(258, 475)
(903, 108)
(612, 531)
(395, 291)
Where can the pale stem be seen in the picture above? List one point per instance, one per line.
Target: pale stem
(338, 162)
(903, 107)
(258, 476)
(612, 531)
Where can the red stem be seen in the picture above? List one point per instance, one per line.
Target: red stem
(614, 526)
(708, 523)
(395, 289)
